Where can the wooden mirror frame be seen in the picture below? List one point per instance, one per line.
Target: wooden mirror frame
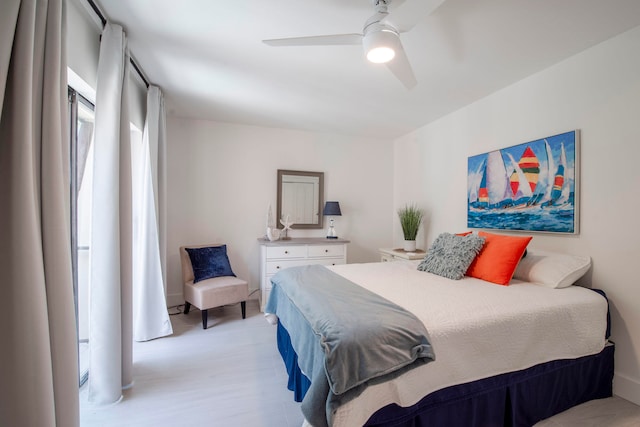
(320, 176)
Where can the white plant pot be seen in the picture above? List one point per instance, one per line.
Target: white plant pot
(409, 246)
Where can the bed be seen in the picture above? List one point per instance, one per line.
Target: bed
(504, 355)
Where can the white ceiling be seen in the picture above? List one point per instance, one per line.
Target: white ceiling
(208, 57)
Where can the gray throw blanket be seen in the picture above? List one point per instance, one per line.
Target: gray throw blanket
(346, 337)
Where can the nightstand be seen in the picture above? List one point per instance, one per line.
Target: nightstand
(399, 254)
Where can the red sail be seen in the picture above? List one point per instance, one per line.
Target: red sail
(530, 166)
(514, 181)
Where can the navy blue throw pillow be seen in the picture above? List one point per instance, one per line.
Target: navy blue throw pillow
(209, 262)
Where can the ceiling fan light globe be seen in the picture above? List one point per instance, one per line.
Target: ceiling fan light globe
(380, 46)
(381, 55)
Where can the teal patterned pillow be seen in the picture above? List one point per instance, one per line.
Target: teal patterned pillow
(451, 255)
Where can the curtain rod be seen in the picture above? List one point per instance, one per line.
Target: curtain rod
(96, 9)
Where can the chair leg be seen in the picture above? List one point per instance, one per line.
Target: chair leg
(204, 319)
(187, 307)
(243, 307)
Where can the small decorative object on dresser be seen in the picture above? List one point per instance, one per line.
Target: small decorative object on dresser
(273, 234)
(410, 220)
(399, 254)
(275, 256)
(270, 221)
(286, 226)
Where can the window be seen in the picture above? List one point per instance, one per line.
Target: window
(82, 119)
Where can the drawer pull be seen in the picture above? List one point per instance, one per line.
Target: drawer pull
(277, 267)
(286, 252)
(326, 250)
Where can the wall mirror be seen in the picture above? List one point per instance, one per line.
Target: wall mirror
(300, 197)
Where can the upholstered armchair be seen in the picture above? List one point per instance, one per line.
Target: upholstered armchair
(208, 280)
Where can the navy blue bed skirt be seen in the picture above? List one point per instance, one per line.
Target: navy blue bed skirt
(515, 399)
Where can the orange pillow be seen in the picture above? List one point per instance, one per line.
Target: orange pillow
(498, 258)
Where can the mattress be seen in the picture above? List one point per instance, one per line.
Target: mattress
(477, 329)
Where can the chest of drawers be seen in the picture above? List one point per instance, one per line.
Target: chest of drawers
(281, 254)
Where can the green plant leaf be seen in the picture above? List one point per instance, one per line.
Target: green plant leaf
(410, 220)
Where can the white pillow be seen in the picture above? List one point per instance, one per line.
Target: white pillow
(551, 269)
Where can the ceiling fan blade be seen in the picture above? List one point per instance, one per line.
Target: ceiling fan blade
(410, 13)
(336, 39)
(401, 68)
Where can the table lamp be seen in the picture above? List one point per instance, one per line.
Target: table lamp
(331, 209)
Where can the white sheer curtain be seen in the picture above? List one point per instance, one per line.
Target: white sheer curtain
(110, 306)
(150, 316)
(39, 371)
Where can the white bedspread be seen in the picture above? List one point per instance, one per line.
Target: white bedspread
(477, 329)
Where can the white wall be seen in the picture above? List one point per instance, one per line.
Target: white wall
(222, 177)
(598, 92)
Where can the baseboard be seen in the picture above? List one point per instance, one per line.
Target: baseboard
(626, 388)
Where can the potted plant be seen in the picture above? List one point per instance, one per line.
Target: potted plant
(410, 219)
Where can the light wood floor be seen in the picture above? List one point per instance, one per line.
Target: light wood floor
(231, 375)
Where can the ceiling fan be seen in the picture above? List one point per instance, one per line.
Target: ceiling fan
(380, 36)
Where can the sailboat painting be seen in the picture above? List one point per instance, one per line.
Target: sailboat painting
(531, 186)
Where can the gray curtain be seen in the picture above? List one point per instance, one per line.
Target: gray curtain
(39, 368)
(110, 306)
(150, 316)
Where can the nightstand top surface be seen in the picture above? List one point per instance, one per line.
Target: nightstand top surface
(401, 253)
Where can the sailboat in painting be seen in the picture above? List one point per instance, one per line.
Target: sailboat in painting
(535, 192)
(530, 167)
(522, 183)
(561, 190)
(543, 190)
(493, 186)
